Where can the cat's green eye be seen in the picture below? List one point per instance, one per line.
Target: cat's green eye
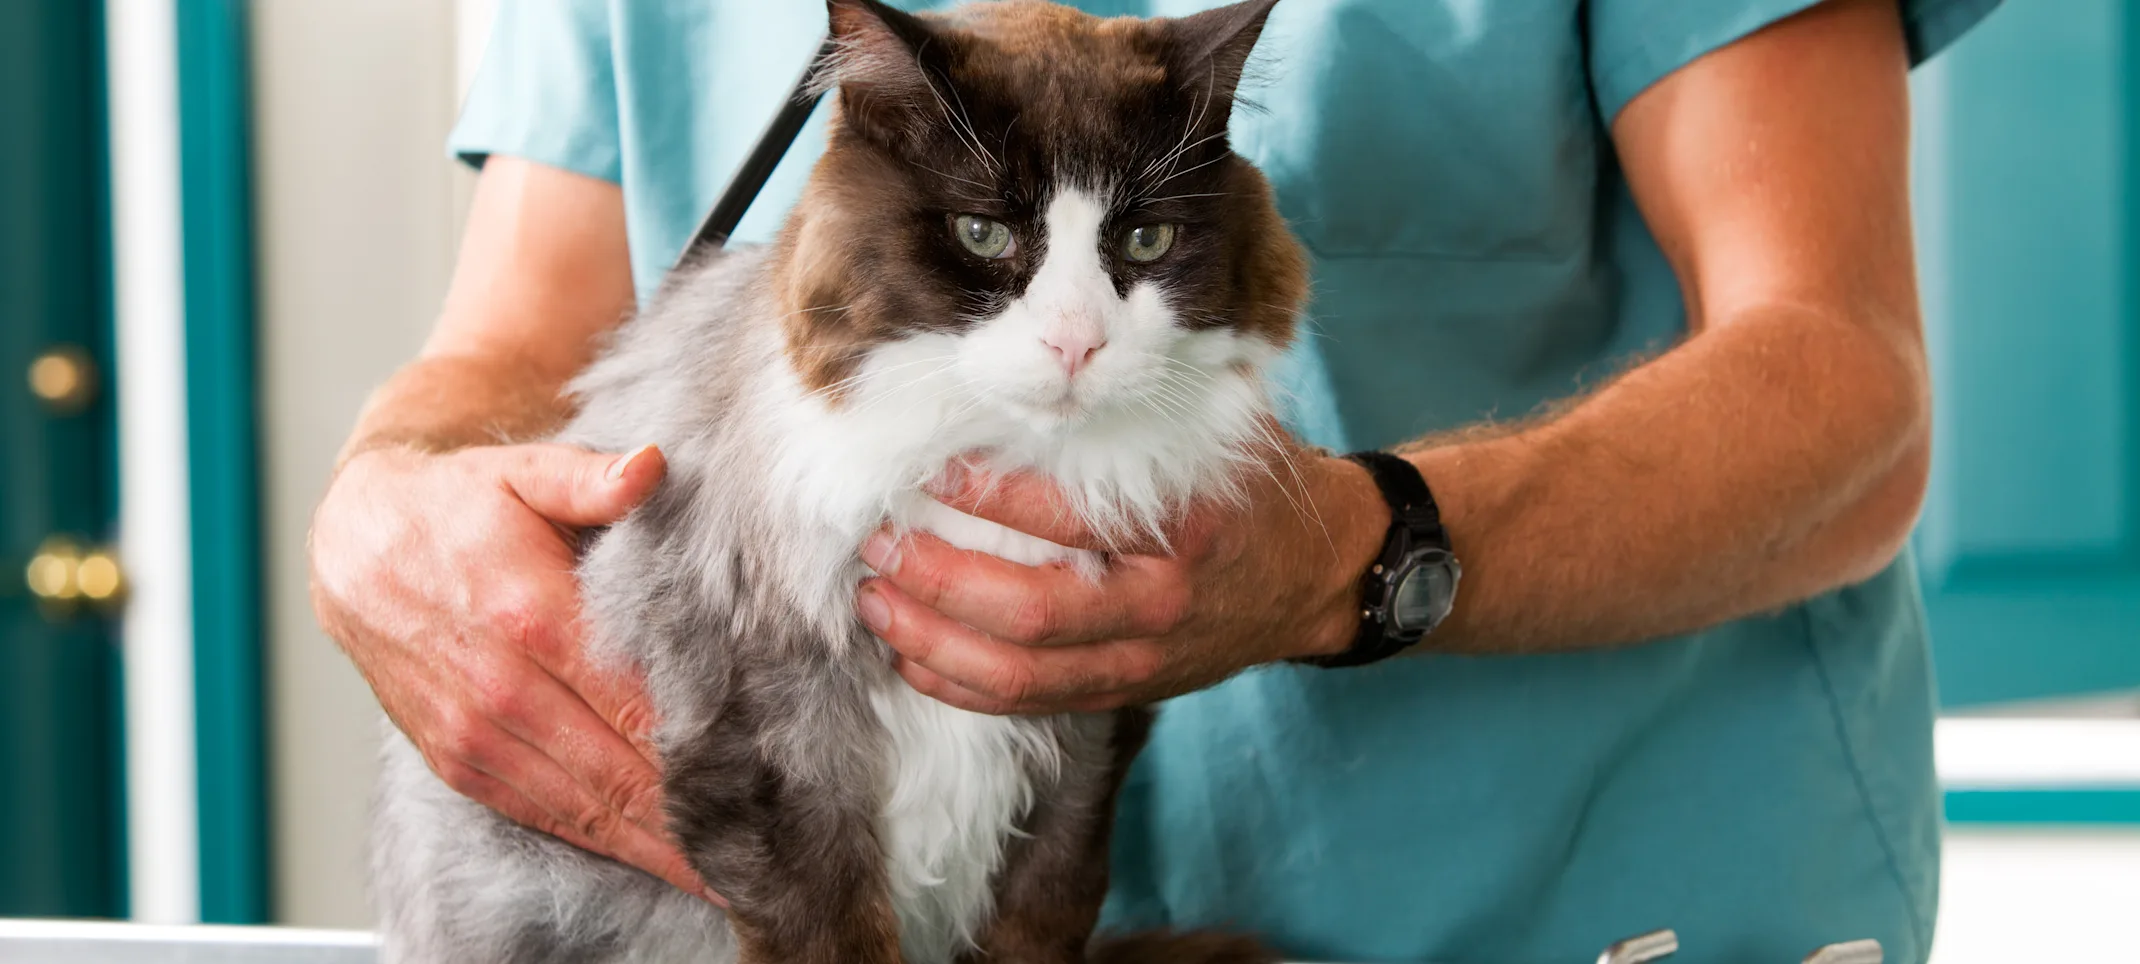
(986, 238)
(1148, 243)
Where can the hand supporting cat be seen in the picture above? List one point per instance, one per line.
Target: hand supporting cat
(1236, 584)
(495, 687)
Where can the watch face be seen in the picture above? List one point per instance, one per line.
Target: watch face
(1425, 593)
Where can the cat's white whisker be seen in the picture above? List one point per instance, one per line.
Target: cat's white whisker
(966, 119)
(869, 372)
(895, 394)
(1196, 120)
(954, 177)
(1162, 182)
(1186, 148)
(806, 311)
(1181, 197)
(973, 145)
(1312, 513)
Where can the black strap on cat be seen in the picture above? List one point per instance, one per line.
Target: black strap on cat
(764, 156)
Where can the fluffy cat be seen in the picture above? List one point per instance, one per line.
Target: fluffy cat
(1028, 243)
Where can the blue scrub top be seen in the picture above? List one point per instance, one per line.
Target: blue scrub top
(1763, 787)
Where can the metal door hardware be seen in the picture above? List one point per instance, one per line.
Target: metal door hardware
(64, 379)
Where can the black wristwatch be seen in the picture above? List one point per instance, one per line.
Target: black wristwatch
(1412, 585)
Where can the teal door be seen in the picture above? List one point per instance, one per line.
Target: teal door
(61, 844)
(2028, 175)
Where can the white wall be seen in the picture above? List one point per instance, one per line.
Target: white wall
(2026, 897)
(357, 220)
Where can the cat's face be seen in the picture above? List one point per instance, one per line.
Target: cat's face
(1032, 214)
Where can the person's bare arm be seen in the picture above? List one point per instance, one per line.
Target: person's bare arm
(543, 273)
(441, 557)
(1782, 449)
(1778, 452)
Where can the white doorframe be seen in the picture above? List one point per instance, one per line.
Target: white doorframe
(163, 830)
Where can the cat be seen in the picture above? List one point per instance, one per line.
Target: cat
(1029, 245)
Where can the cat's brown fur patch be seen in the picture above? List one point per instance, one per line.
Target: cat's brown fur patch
(1057, 59)
(1271, 275)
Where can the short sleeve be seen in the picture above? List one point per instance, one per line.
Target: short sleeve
(1635, 43)
(545, 91)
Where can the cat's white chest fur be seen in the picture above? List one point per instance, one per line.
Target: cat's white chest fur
(960, 781)
(959, 786)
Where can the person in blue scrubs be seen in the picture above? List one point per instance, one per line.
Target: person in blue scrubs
(1629, 282)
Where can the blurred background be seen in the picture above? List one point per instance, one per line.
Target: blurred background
(221, 223)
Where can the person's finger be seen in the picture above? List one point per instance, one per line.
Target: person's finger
(928, 683)
(574, 813)
(538, 612)
(659, 859)
(619, 695)
(578, 488)
(551, 632)
(1028, 605)
(545, 713)
(1025, 502)
(998, 670)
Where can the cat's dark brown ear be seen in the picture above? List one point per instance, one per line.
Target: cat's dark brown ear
(882, 64)
(1211, 48)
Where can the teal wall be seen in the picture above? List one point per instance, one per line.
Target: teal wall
(2026, 202)
(2027, 174)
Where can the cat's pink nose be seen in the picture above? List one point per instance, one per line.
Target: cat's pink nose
(1074, 349)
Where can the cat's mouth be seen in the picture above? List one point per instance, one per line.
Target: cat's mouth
(1063, 409)
(1054, 410)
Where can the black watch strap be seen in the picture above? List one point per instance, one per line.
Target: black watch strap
(1415, 521)
(1411, 503)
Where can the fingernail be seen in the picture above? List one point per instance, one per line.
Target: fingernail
(713, 898)
(881, 552)
(623, 463)
(875, 612)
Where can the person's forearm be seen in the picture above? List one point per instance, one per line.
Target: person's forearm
(1776, 456)
(544, 270)
(441, 402)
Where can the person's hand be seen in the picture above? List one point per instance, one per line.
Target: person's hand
(449, 581)
(1273, 578)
